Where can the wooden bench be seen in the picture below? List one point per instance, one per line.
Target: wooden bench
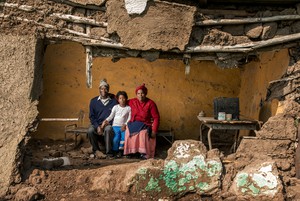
(168, 135)
(77, 129)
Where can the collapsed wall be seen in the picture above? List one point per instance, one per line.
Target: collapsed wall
(275, 143)
(20, 65)
(20, 60)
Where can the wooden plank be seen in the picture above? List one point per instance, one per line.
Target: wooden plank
(59, 119)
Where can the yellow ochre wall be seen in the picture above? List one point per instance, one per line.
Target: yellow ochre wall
(179, 97)
(255, 78)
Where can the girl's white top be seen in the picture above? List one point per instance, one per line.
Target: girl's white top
(121, 115)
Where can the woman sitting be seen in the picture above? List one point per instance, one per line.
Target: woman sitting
(141, 130)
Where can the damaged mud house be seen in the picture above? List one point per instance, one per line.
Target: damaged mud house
(54, 52)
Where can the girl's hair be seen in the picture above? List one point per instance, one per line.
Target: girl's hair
(122, 93)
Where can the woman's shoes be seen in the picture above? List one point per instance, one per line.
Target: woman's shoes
(143, 157)
(136, 156)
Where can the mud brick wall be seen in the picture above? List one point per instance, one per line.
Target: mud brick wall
(17, 102)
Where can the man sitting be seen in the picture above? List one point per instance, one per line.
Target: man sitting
(100, 109)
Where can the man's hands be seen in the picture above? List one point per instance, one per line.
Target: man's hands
(100, 130)
(105, 123)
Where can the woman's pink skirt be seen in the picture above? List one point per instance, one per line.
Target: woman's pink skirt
(139, 143)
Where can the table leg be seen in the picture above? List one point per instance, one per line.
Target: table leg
(209, 138)
(236, 139)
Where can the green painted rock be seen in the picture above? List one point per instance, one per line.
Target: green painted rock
(186, 169)
(258, 180)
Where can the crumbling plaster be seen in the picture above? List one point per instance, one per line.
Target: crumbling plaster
(18, 101)
(20, 53)
(256, 77)
(157, 28)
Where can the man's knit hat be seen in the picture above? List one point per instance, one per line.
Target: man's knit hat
(104, 83)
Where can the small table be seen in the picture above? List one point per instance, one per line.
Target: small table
(214, 124)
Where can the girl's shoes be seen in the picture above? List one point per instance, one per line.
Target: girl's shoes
(119, 154)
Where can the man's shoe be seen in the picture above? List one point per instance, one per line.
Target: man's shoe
(87, 150)
(92, 155)
(100, 155)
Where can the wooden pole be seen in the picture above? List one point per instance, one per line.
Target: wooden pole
(85, 41)
(278, 40)
(89, 57)
(80, 20)
(20, 7)
(27, 8)
(245, 47)
(89, 64)
(70, 18)
(49, 26)
(247, 20)
(86, 6)
(217, 48)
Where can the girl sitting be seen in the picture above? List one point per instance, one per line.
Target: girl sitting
(120, 114)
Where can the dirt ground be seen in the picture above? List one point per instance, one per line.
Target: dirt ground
(60, 183)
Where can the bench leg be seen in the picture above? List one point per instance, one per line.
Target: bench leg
(76, 134)
(167, 139)
(65, 141)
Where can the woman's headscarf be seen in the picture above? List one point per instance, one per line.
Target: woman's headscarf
(143, 88)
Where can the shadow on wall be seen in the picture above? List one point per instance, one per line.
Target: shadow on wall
(36, 89)
(268, 110)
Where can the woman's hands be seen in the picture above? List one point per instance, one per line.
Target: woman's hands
(153, 134)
